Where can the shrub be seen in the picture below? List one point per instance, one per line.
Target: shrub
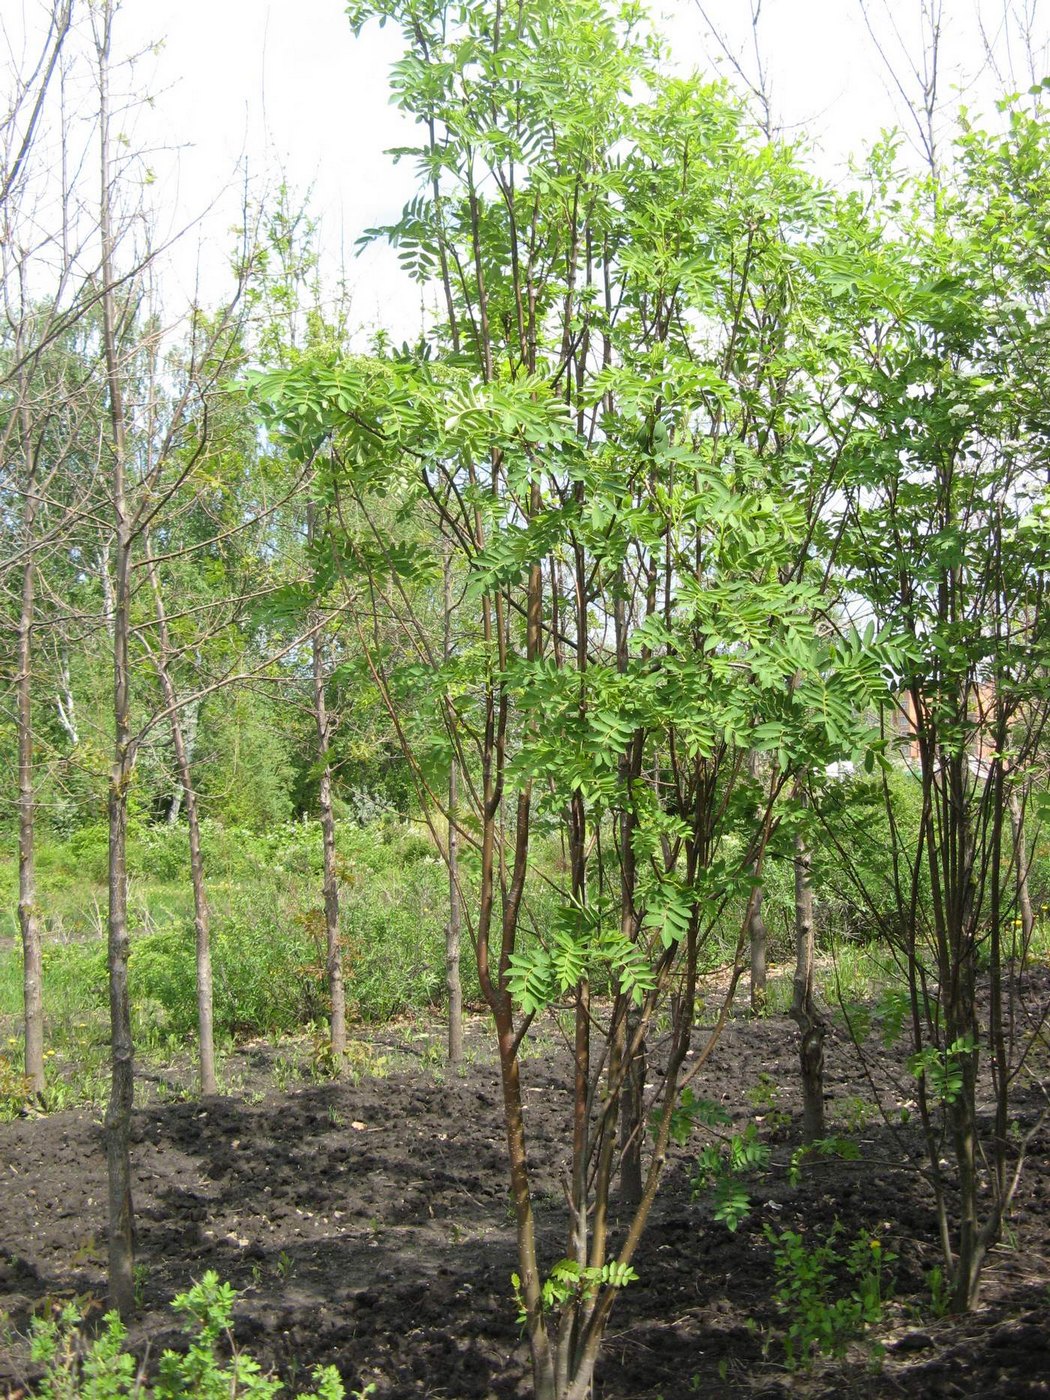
(826, 1296)
(101, 1369)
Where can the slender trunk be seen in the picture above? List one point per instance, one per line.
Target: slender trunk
(122, 1089)
(804, 1009)
(201, 928)
(454, 930)
(201, 910)
(28, 917)
(632, 1107)
(1021, 863)
(333, 948)
(758, 938)
(65, 705)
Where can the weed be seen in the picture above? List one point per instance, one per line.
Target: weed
(827, 1297)
(15, 1090)
(764, 1097)
(101, 1369)
(857, 1113)
(939, 1299)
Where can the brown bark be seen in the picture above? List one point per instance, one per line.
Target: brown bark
(632, 1113)
(758, 937)
(804, 1010)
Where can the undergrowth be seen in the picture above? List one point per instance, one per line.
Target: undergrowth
(79, 1367)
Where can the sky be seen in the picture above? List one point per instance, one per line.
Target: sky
(283, 89)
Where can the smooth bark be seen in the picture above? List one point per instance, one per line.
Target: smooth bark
(122, 1084)
(201, 909)
(330, 879)
(454, 928)
(804, 1009)
(28, 915)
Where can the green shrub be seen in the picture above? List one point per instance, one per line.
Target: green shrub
(826, 1296)
(267, 980)
(76, 1368)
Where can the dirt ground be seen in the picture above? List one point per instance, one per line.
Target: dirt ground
(366, 1224)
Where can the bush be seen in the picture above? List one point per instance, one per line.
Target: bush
(101, 1369)
(267, 980)
(826, 1296)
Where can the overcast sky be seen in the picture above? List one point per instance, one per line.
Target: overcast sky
(283, 86)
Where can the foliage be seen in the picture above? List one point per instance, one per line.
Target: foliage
(78, 1368)
(723, 1169)
(808, 1291)
(567, 1280)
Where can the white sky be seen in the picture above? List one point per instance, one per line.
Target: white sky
(283, 86)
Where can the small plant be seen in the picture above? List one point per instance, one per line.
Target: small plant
(567, 1280)
(15, 1090)
(939, 1296)
(721, 1168)
(764, 1098)
(844, 1148)
(828, 1297)
(101, 1369)
(857, 1113)
(942, 1069)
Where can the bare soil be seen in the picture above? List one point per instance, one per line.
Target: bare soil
(366, 1224)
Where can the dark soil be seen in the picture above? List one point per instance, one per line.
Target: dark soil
(366, 1225)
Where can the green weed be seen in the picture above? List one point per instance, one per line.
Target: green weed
(827, 1296)
(78, 1368)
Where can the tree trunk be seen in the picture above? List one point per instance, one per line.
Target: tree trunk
(201, 910)
(454, 930)
(65, 705)
(632, 1128)
(333, 948)
(759, 940)
(122, 1089)
(812, 1029)
(1021, 862)
(758, 937)
(28, 917)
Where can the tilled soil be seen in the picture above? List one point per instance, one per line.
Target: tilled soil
(366, 1225)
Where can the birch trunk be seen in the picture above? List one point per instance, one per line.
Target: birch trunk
(330, 880)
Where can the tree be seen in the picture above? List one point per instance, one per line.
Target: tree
(32, 437)
(612, 430)
(946, 534)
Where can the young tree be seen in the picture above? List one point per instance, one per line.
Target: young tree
(946, 534)
(31, 436)
(615, 438)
